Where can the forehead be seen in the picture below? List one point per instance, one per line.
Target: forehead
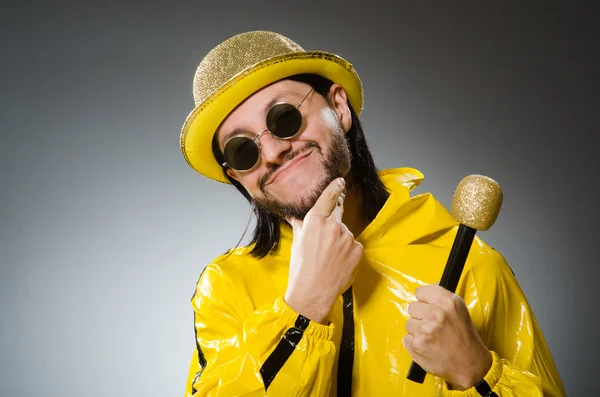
(255, 107)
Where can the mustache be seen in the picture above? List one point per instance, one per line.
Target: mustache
(287, 158)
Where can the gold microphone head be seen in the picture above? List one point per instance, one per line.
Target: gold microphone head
(476, 202)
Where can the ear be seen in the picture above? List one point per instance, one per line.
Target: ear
(230, 172)
(233, 175)
(339, 103)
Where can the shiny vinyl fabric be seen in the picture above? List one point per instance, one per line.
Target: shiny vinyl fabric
(245, 332)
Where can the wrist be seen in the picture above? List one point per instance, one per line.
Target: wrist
(314, 308)
(475, 376)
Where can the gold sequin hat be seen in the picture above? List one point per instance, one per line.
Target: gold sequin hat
(237, 68)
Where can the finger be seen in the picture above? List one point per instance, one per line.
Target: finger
(413, 326)
(418, 310)
(328, 199)
(345, 228)
(296, 224)
(338, 210)
(433, 294)
(408, 343)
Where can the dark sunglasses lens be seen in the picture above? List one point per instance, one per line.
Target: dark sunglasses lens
(284, 120)
(241, 153)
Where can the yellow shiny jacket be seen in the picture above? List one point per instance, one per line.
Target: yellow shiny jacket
(250, 343)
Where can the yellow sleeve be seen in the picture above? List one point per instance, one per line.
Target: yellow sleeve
(522, 363)
(271, 352)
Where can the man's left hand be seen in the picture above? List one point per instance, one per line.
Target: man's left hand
(443, 340)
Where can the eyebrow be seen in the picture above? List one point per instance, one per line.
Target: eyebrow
(277, 98)
(269, 105)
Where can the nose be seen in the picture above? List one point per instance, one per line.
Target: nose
(273, 148)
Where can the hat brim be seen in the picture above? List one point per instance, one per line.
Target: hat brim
(202, 123)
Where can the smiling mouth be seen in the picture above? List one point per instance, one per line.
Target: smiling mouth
(287, 165)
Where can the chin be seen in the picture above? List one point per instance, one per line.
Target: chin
(313, 183)
(308, 193)
(295, 192)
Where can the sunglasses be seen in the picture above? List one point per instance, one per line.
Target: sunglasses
(283, 122)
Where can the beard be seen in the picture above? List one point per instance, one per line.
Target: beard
(335, 163)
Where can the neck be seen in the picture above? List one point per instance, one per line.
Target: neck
(353, 212)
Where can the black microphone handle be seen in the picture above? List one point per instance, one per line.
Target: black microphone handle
(452, 271)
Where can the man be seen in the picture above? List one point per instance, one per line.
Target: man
(337, 293)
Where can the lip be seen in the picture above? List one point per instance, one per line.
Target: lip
(288, 165)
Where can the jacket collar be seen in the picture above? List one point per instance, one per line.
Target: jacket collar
(402, 220)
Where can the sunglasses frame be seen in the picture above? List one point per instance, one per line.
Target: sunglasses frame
(256, 139)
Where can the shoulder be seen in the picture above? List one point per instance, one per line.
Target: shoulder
(238, 275)
(485, 268)
(482, 257)
(225, 269)
(486, 261)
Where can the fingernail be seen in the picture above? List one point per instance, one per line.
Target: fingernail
(342, 182)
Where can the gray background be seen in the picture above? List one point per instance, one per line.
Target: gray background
(104, 229)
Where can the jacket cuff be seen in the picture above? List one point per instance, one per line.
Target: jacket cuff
(288, 317)
(492, 378)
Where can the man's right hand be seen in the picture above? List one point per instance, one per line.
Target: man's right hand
(324, 256)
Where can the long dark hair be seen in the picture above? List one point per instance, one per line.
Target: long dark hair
(365, 177)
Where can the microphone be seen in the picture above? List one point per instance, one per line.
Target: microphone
(475, 205)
